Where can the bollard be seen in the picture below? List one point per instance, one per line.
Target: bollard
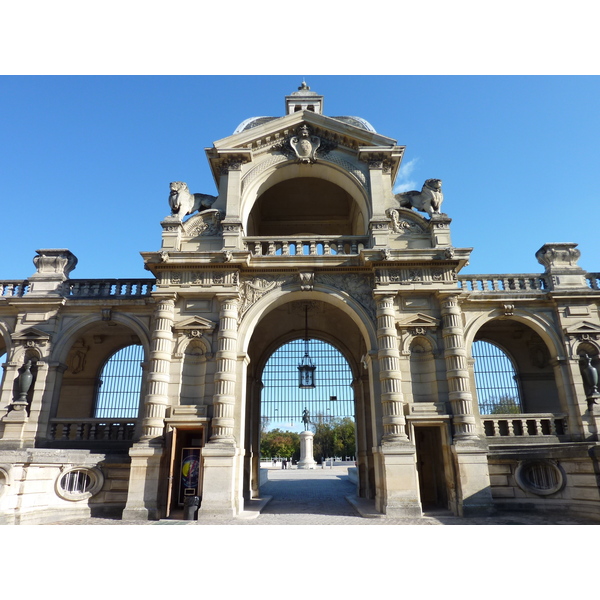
(190, 506)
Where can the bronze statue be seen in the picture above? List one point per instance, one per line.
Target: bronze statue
(306, 419)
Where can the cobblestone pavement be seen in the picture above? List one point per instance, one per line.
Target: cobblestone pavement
(318, 497)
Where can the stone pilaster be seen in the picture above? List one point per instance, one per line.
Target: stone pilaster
(157, 398)
(220, 455)
(474, 496)
(394, 422)
(225, 377)
(457, 371)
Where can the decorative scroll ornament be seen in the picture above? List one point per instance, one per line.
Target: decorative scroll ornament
(254, 289)
(402, 226)
(357, 286)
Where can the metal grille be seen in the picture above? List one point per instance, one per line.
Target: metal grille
(283, 401)
(76, 482)
(495, 380)
(120, 383)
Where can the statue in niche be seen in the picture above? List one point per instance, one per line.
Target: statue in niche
(183, 203)
(428, 200)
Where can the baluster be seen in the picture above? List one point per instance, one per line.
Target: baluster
(511, 427)
(552, 426)
(120, 431)
(354, 247)
(66, 431)
(79, 431)
(53, 428)
(538, 427)
(93, 431)
(525, 426)
(496, 424)
(285, 249)
(313, 248)
(270, 248)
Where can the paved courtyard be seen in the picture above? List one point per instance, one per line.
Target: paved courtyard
(320, 497)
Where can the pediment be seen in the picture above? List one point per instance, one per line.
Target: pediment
(418, 321)
(195, 323)
(30, 334)
(583, 328)
(280, 127)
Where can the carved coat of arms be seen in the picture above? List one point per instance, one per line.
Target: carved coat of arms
(305, 145)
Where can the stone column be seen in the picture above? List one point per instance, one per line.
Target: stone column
(392, 400)
(397, 492)
(457, 370)
(157, 398)
(220, 453)
(225, 379)
(144, 493)
(474, 496)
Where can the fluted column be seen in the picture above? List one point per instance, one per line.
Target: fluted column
(392, 400)
(225, 377)
(157, 398)
(457, 371)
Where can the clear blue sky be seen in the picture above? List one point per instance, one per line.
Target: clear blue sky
(87, 160)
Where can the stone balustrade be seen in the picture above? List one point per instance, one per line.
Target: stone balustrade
(593, 280)
(306, 246)
(15, 288)
(101, 430)
(104, 288)
(525, 282)
(534, 425)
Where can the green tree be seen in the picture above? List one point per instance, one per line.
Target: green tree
(507, 405)
(280, 443)
(334, 438)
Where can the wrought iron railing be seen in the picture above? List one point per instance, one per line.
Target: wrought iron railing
(14, 288)
(533, 425)
(306, 245)
(91, 430)
(103, 288)
(524, 282)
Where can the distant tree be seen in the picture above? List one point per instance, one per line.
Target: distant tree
(280, 443)
(334, 438)
(506, 405)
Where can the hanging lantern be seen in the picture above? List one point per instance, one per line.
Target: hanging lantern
(306, 367)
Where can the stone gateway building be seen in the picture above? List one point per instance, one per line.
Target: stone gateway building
(471, 393)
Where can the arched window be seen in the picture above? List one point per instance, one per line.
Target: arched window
(495, 380)
(118, 395)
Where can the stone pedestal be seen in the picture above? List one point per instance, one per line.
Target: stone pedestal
(144, 483)
(219, 462)
(399, 495)
(473, 489)
(307, 460)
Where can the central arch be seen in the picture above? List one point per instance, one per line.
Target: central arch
(278, 318)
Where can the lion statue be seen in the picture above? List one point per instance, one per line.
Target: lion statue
(428, 200)
(183, 203)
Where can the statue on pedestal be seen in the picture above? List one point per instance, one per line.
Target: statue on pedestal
(306, 419)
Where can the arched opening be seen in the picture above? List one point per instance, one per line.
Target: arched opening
(305, 206)
(341, 393)
(329, 402)
(99, 393)
(533, 372)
